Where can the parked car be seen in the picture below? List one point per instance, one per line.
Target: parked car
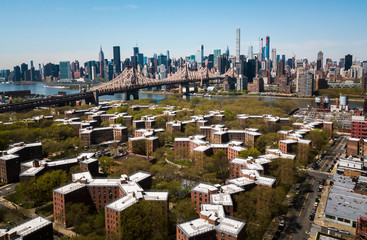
(281, 224)
(332, 229)
(316, 204)
(344, 231)
(312, 217)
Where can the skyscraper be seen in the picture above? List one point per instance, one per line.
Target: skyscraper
(238, 38)
(116, 59)
(261, 50)
(274, 58)
(320, 56)
(217, 52)
(65, 72)
(101, 63)
(348, 62)
(250, 52)
(227, 52)
(202, 55)
(267, 47)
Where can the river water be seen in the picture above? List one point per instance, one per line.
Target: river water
(39, 88)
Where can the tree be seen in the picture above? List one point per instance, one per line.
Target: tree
(253, 152)
(219, 164)
(106, 163)
(191, 129)
(318, 138)
(139, 147)
(268, 139)
(184, 210)
(131, 165)
(121, 120)
(144, 220)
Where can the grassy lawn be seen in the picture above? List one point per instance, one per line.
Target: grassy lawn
(46, 210)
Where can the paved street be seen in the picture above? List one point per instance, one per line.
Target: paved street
(7, 189)
(297, 221)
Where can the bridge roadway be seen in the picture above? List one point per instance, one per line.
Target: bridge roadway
(128, 82)
(89, 97)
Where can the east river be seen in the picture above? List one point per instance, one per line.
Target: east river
(40, 88)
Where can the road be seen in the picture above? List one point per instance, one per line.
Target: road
(297, 220)
(7, 189)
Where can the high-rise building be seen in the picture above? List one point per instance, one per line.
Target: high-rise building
(198, 58)
(223, 63)
(135, 51)
(227, 52)
(116, 59)
(250, 52)
(320, 56)
(238, 39)
(17, 73)
(65, 72)
(305, 84)
(348, 62)
(101, 63)
(261, 50)
(267, 49)
(283, 58)
(202, 54)
(274, 58)
(217, 52)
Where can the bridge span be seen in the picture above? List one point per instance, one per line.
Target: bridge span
(128, 82)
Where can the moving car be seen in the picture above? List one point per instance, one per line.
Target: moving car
(344, 231)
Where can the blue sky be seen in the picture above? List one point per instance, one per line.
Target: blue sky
(53, 31)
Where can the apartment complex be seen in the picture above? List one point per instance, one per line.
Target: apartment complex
(11, 159)
(114, 133)
(115, 195)
(36, 167)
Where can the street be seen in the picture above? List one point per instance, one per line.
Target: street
(297, 220)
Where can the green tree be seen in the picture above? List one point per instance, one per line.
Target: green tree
(139, 147)
(318, 138)
(131, 165)
(268, 139)
(144, 220)
(253, 152)
(121, 120)
(191, 129)
(219, 165)
(184, 210)
(106, 163)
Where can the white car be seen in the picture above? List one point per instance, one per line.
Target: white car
(316, 204)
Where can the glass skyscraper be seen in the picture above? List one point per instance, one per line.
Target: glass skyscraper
(217, 52)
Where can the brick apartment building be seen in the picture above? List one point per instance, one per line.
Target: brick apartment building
(115, 132)
(144, 145)
(359, 127)
(36, 168)
(219, 134)
(115, 195)
(36, 228)
(11, 159)
(212, 224)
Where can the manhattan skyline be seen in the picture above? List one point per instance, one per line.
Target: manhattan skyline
(51, 32)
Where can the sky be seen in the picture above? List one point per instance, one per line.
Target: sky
(53, 31)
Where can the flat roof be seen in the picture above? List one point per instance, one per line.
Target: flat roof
(221, 199)
(204, 188)
(155, 196)
(69, 188)
(230, 226)
(196, 227)
(122, 203)
(30, 226)
(345, 204)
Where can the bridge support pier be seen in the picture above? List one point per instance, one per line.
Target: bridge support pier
(135, 95)
(184, 86)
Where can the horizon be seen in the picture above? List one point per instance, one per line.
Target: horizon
(78, 29)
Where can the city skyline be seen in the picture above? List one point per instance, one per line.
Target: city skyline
(67, 37)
